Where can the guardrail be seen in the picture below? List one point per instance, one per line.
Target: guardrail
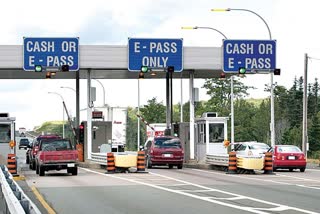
(218, 159)
(16, 201)
(101, 158)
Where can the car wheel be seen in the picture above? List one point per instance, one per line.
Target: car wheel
(33, 165)
(19, 148)
(180, 166)
(303, 169)
(27, 160)
(274, 169)
(41, 171)
(170, 166)
(74, 171)
(37, 170)
(149, 163)
(290, 170)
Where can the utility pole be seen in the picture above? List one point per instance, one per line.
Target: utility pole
(305, 108)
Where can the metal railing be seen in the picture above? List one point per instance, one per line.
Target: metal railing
(217, 159)
(16, 201)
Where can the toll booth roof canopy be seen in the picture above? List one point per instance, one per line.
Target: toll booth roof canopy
(111, 62)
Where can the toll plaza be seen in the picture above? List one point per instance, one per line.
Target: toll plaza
(115, 62)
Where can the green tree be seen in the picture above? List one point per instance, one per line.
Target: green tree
(220, 94)
(132, 130)
(154, 111)
(314, 134)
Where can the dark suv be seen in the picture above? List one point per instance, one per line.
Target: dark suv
(35, 148)
(24, 143)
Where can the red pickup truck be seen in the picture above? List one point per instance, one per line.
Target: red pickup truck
(56, 154)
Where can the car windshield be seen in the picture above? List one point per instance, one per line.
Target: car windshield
(288, 149)
(259, 146)
(167, 143)
(56, 145)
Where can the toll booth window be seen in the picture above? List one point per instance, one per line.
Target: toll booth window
(5, 133)
(216, 133)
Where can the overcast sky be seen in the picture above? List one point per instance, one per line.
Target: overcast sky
(294, 24)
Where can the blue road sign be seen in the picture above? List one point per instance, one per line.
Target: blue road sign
(50, 52)
(250, 54)
(155, 53)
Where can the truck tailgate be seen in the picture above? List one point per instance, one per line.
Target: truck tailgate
(59, 156)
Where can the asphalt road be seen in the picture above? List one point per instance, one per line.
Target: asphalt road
(185, 191)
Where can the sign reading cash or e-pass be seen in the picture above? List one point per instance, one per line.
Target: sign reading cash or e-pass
(155, 53)
(250, 54)
(50, 52)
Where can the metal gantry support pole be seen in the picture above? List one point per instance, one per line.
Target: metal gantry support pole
(89, 115)
(138, 133)
(168, 103)
(305, 107)
(191, 95)
(77, 99)
(232, 114)
(181, 100)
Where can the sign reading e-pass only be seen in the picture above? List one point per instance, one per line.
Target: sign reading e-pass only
(250, 54)
(50, 52)
(155, 53)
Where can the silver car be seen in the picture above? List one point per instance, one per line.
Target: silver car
(252, 148)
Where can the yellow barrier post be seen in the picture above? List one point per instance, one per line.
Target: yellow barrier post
(141, 162)
(110, 163)
(12, 164)
(232, 169)
(268, 168)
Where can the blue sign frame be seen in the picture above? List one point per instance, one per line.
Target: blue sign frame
(254, 55)
(50, 52)
(155, 53)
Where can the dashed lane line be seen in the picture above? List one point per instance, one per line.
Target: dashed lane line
(208, 199)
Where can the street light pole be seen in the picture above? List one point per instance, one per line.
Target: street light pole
(272, 129)
(63, 105)
(104, 92)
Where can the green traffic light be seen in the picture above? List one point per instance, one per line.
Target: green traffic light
(38, 68)
(144, 69)
(242, 70)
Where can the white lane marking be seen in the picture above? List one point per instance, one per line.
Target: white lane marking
(150, 179)
(234, 194)
(172, 185)
(229, 199)
(258, 179)
(304, 179)
(199, 190)
(248, 209)
(181, 193)
(281, 208)
(310, 187)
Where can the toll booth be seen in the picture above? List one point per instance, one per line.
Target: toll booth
(210, 132)
(101, 134)
(7, 134)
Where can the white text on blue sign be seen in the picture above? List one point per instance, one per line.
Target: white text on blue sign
(250, 54)
(51, 52)
(155, 53)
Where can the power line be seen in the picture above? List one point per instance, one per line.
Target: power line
(314, 58)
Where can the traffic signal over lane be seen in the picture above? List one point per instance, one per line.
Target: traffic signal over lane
(81, 133)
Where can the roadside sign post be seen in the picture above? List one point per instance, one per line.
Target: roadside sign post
(253, 55)
(155, 53)
(50, 52)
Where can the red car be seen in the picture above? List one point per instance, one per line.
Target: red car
(164, 150)
(288, 157)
